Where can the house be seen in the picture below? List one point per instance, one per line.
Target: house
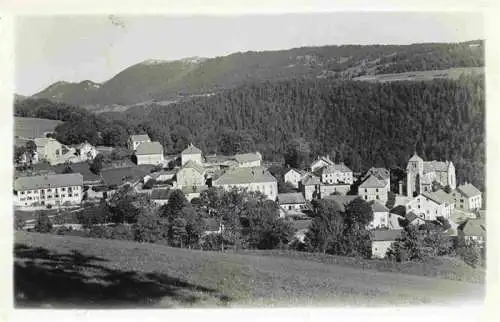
(320, 163)
(191, 153)
(331, 189)
(53, 189)
(149, 153)
(191, 174)
(473, 230)
(374, 188)
(336, 174)
(380, 216)
(160, 176)
(253, 179)
(191, 192)
(467, 197)
(115, 177)
(310, 186)
(86, 151)
(135, 140)
(248, 159)
(160, 196)
(48, 149)
(379, 173)
(382, 241)
(420, 175)
(427, 207)
(293, 176)
(293, 201)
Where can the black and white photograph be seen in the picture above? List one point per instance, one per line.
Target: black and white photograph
(315, 159)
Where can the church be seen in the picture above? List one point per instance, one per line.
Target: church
(421, 174)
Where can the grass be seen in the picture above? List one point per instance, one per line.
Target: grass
(452, 73)
(68, 271)
(28, 127)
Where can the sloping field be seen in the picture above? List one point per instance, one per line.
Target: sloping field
(452, 73)
(63, 271)
(29, 127)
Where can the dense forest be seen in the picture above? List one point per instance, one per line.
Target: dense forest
(167, 80)
(362, 124)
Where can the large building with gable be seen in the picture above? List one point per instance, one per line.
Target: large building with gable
(421, 174)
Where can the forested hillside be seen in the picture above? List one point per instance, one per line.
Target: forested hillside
(167, 80)
(363, 124)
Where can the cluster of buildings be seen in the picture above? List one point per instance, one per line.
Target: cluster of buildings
(431, 188)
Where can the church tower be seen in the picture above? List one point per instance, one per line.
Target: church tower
(414, 173)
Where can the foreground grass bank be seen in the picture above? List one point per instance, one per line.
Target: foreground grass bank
(64, 271)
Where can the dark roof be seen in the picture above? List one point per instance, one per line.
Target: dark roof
(341, 201)
(381, 173)
(386, 235)
(468, 190)
(244, 176)
(332, 168)
(119, 176)
(160, 194)
(291, 198)
(48, 181)
(310, 179)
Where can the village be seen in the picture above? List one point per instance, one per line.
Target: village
(59, 178)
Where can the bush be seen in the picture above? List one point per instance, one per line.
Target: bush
(49, 206)
(122, 232)
(43, 224)
(18, 223)
(211, 242)
(100, 232)
(470, 255)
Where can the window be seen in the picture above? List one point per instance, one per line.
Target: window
(22, 192)
(48, 190)
(366, 197)
(366, 190)
(376, 190)
(378, 197)
(63, 189)
(418, 206)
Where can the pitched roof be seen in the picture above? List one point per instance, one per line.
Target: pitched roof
(245, 176)
(118, 176)
(378, 207)
(325, 159)
(341, 201)
(468, 190)
(402, 200)
(332, 168)
(149, 148)
(473, 227)
(373, 182)
(411, 216)
(439, 196)
(310, 179)
(247, 157)
(191, 149)
(140, 137)
(291, 198)
(41, 142)
(157, 174)
(212, 224)
(217, 158)
(160, 194)
(433, 166)
(415, 157)
(380, 173)
(48, 181)
(299, 171)
(193, 165)
(386, 235)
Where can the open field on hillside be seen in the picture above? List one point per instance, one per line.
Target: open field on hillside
(63, 271)
(452, 73)
(29, 127)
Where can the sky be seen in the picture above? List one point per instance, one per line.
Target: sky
(76, 48)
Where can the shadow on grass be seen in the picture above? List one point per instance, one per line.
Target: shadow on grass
(43, 278)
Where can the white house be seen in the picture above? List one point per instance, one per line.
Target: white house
(374, 188)
(248, 159)
(293, 201)
(252, 179)
(310, 186)
(331, 189)
(382, 241)
(380, 216)
(191, 153)
(336, 173)
(379, 173)
(320, 163)
(48, 149)
(467, 197)
(149, 153)
(474, 230)
(191, 174)
(135, 140)
(53, 189)
(293, 176)
(428, 206)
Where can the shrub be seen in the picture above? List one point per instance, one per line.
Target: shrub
(43, 224)
(99, 232)
(211, 242)
(18, 223)
(122, 232)
(470, 255)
